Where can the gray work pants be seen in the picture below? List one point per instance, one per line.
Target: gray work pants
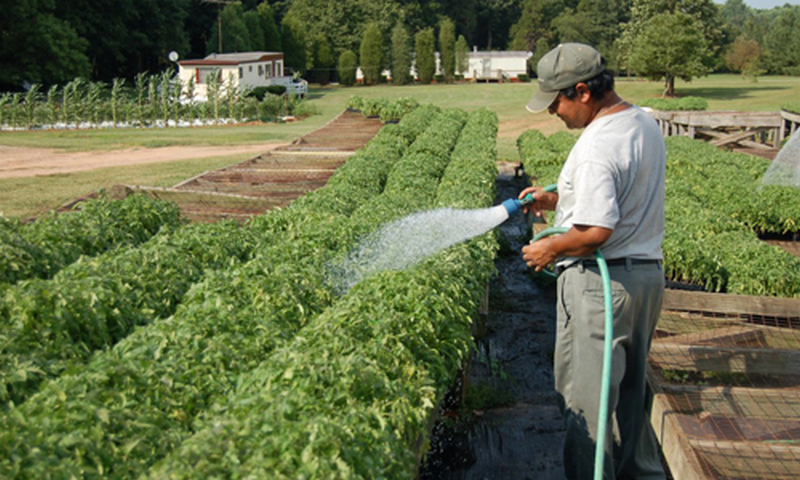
(631, 447)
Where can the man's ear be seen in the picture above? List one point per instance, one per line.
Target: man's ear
(584, 95)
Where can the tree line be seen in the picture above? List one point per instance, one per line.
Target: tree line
(54, 41)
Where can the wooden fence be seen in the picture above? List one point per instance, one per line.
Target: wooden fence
(744, 129)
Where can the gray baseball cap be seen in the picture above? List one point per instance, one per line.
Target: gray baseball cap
(562, 67)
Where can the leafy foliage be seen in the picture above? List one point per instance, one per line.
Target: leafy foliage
(346, 68)
(715, 210)
(371, 56)
(341, 385)
(672, 104)
(41, 248)
(425, 59)
(401, 55)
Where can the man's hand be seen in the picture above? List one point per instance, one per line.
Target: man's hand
(540, 254)
(542, 200)
(578, 241)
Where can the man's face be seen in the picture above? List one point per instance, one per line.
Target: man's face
(574, 112)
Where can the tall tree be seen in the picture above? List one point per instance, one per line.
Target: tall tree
(293, 39)
(346, 68)
(272, 34)
(447, 48)
(371, 54)
(344, 21)
(703, 19)
(782, 42)
(462, 55)
(425, 49)
(497, 17)
(256, 39)
(534, 23)
(401, 55)
(669, 46)
(235, 35)
(323, 60)
(38, 47)
(734, 14)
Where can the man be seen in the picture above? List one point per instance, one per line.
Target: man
(610, 197)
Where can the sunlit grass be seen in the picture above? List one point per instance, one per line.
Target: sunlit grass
(29, 196)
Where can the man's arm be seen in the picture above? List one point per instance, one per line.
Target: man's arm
(578, 241)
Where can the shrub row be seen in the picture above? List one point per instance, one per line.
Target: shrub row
(95, 302)
(353, 395)
(675, 104)
(715, 209)
(43, 247)
(134, 403)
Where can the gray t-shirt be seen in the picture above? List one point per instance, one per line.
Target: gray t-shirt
(614, 178)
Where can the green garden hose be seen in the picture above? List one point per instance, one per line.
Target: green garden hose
(605, 387)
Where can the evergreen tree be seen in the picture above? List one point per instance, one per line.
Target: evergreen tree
(323, 60)
(372, 54)
(272, 34)
(425, 49)
(462, 55)
(348, 63)
(534, 23)
(235, 35)
(255, 32)
(401, 55)
(447, 48)
(293, 40)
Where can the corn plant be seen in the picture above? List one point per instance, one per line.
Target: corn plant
(93, 102)
(175, 100)
(52, 104)
(190, 100)
(213, 86)
(140, 87)
(30, 104)
(14, 107)
(5, 100)
(116, 99)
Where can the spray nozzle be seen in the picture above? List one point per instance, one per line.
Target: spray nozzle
(513, 205)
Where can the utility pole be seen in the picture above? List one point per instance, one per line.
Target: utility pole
(219, 17)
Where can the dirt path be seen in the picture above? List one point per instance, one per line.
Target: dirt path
(17, 162)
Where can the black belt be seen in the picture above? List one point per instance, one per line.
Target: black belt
(612, 262)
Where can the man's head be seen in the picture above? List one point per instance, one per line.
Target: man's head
(563, 68)
(573, 83)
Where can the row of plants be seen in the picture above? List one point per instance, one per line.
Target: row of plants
(97, 301)
(388, 111)
(716, 208)
(134, 403)
(675, 103)
(151, 101)
(353, 395)
(40, 248)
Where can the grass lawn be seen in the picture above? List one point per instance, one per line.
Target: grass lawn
(723, 92)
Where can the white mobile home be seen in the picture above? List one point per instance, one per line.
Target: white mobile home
(483, 66)
(247, 69)
(497, 65)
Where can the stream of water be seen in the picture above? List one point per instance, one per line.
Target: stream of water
(409, 240)
(785, 169)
